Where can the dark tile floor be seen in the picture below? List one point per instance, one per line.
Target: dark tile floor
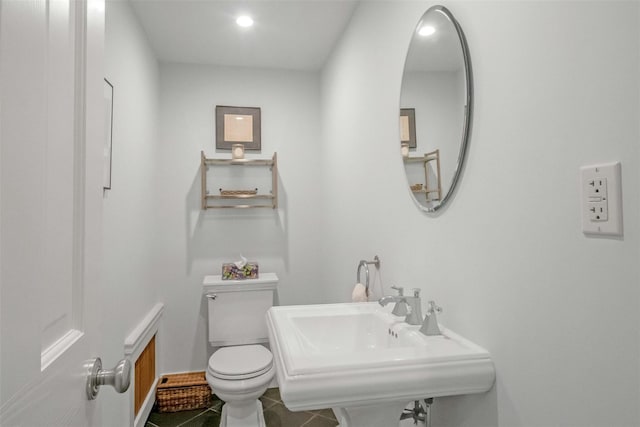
(275, 415)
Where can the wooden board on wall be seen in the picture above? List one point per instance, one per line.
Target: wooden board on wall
(145, 374)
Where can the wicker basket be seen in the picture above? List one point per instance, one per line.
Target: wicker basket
(182, 392)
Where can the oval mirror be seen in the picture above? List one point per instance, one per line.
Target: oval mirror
(436, 104)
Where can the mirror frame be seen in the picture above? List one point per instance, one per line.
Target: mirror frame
(468, 110)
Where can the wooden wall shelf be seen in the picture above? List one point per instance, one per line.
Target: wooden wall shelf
(429, 187)
(238, 198)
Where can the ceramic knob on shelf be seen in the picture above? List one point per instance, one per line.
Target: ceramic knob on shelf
(237, 151)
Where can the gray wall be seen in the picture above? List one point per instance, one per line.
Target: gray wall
(129, 217)
(191, 243)
(556, 88)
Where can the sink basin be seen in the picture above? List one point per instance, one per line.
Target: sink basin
(367, 364)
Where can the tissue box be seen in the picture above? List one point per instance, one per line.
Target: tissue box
(231, 272)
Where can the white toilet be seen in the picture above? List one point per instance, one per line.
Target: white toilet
(240, 371)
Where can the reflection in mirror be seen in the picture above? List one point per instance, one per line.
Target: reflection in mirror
(435, 108)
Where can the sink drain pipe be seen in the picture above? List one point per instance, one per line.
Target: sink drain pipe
(419, 413)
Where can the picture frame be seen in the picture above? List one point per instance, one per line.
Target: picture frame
(238, 125)
(408, 126)
(108, 137)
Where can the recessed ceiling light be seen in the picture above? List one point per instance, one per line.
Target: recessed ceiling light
(427, 30)
(244, 21)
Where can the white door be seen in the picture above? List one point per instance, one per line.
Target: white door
(51, 138)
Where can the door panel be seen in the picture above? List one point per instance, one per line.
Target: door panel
(60, 171)
(51, 127)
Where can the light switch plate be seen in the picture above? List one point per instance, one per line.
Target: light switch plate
(601, 202)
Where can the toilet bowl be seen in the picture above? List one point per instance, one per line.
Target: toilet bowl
(241, 369)
(239, 375)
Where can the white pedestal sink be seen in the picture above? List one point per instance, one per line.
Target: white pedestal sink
(367, 364)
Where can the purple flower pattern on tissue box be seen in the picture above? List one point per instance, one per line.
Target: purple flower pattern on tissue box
(231, 272)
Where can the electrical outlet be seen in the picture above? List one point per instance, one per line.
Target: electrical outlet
(596, 187)
(601, 199)
(598, 211)
(595, 190)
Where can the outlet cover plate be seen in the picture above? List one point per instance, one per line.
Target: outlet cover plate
(607, 179)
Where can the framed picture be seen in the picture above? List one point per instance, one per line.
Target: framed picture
(237, 125)
(108, 137)
(408, 126)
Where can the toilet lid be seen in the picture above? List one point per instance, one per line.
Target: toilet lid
(240, 362)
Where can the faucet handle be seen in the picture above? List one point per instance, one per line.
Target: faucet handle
(400, 290)
(432, 307)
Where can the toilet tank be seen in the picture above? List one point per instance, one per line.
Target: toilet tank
(237, 309)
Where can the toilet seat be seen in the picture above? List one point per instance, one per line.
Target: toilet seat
(240, 362)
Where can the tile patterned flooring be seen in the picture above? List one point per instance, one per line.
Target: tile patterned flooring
(275, 415)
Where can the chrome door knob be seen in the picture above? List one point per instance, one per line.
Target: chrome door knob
(119, 377)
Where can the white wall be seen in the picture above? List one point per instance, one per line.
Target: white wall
(129, 215)
(506, 260)
(191, 243)
(556, 88)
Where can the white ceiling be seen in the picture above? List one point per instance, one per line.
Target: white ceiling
(293, 34)
(441, 51)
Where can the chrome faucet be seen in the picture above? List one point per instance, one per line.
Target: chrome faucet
(401, 308)
(405, 305)
(430, 325)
